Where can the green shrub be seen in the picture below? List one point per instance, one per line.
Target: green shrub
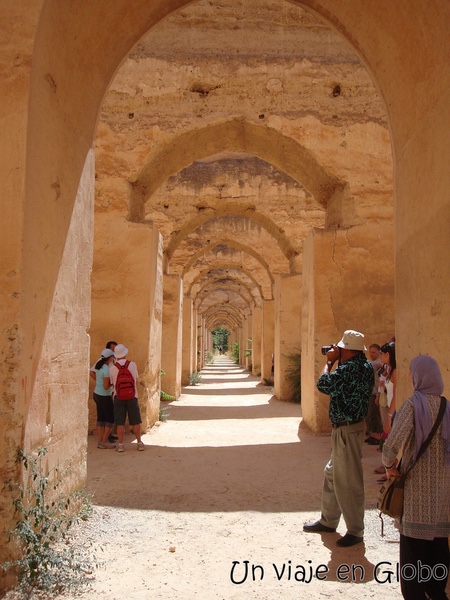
(293, 375)
(235, 352)
(164, 396)
(163, 414)
(50, 562)
(195, 378)
(220, 338)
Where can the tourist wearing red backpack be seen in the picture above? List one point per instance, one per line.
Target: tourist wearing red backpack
(123, 375)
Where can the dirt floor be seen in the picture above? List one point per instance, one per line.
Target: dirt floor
(214, 507)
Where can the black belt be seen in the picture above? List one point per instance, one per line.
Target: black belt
(342, 423)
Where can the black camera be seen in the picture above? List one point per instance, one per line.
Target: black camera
(326, 349)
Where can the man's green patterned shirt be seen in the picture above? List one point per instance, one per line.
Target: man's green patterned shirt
(349, 388)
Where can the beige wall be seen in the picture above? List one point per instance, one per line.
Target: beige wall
(57, 417)
(339, 296)
(171, 351)
(127, 301)
(187, 341)
(287, 323)
(267, 345)
(256, 340)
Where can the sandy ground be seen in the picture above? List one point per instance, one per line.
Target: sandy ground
(230, 477)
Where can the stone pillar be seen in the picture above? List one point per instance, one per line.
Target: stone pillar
(58, 411)
(240, 338)
(248, 357)
(256, 340)
(268, 336)
(149, 399)
(342, 280)
(232, 338)
(195, 340)
(187, 366)
(209, 344)
(114, 315)
(243, 342)
(171, 353)
(201, 342)
(287, 292)
(205, 341)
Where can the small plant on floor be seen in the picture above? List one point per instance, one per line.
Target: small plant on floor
(195, 378)
(163, 395)
(293, 375)
(50, 560)
(163, 414)
(210, 358)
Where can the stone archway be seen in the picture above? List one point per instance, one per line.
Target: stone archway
(239, 136)
(178, 148)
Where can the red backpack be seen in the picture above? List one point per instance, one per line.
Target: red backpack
(124, 382)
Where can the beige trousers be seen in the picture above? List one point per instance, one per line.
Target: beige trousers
(343, 486)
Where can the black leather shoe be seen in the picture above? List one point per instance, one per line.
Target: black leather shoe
(372, 441)
(349, 540)
(317, 527)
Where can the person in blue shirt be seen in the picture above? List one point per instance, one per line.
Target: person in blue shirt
(349, 387)
(103, 398)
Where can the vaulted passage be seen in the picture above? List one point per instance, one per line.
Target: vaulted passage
(232, 475)
(243, 179)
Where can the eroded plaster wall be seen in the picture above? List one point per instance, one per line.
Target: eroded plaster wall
(57, 416)
(127, 303)
(346, 285)
(171, 351)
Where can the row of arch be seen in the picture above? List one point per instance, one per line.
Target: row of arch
(237, 136)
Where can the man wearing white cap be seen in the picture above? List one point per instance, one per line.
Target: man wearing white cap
(128, 406)
(349, 388)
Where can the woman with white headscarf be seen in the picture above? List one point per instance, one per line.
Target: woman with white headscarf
(425, 524)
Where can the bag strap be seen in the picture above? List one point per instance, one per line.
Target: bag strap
(427, 442)
(124, 366)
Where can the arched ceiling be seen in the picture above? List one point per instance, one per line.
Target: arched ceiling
(236, 280)
(213, 295)
(244, 263)
(239, 136)
(236, 128)
(238, 229)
